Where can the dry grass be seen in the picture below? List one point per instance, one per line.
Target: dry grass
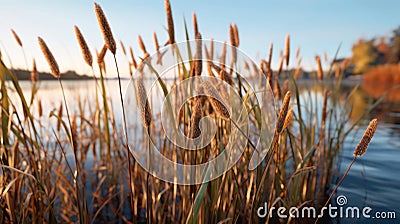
(40, 184)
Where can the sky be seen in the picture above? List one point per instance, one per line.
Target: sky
(316, 26)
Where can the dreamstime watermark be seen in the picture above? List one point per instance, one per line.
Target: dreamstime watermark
(340, 211)
(171, 78)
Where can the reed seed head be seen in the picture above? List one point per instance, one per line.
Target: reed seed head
(122, 47)
(141, 44)
(283, 113)
(198, 63)
(236, 32)
(157, 46)
(298, 52)
(195, 119)
(40, 108)
(55, 71)
(60, 114)
(271, 49)
(280, 66)
(225, 76)
(195, 26)
(320, 73)
(232, 36)
(215, 99)
(101, 55)
(277, 89)
(324, 107)
(170, 22)
(297, 73)
(16, 37)
(87, 56)
(287, 49)
(211, 51)
(105, 29)
(34, 73)
(132, 57)
(288, 119)
(223, 56)
(143, 103)
(366, 138)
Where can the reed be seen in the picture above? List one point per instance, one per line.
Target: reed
(320, 73)
(195, 26)
(283, 113)
(34, 73)
(287, 50)
(156, 45)
(133, 61)
(122, 47)
(141, 45)
(87, 55)
(80, 191)
(41, 186)
(16, 37)
(105, 29)
(215, 99)
(55, 71)
(170, 22)
(366, 138)
(143, 103)
(236, 32)
(359, 150)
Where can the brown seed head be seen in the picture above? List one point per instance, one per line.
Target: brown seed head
(277, 89)
(298, 52)
(280, 66)
(40, 108)
(195, 27)
(232, 36)
(156, 41)
(320, 73)
(132, 57)
(198, 63)
(297, 73)
(287, 49)
(271, 48)
(236, 31)
(122, 47)
(215, 99)
(170, 21)
(211, 51)
(141, 44)
(233, 43)
(195, 119)
(55, 71)
(225, 76)
(288, 119)
(143, 103)
(223, 56)
(34, 73)
(60, 114)
(366, 138)
(324, 107)
(16, 37)
(283, 113)
(105, 29)
(87, 56)
(101, 55)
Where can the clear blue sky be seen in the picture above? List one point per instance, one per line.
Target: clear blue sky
(316, 26)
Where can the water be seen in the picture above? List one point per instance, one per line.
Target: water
(373, 180)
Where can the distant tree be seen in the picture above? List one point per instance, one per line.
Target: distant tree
(365, 55)
(394, 53)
